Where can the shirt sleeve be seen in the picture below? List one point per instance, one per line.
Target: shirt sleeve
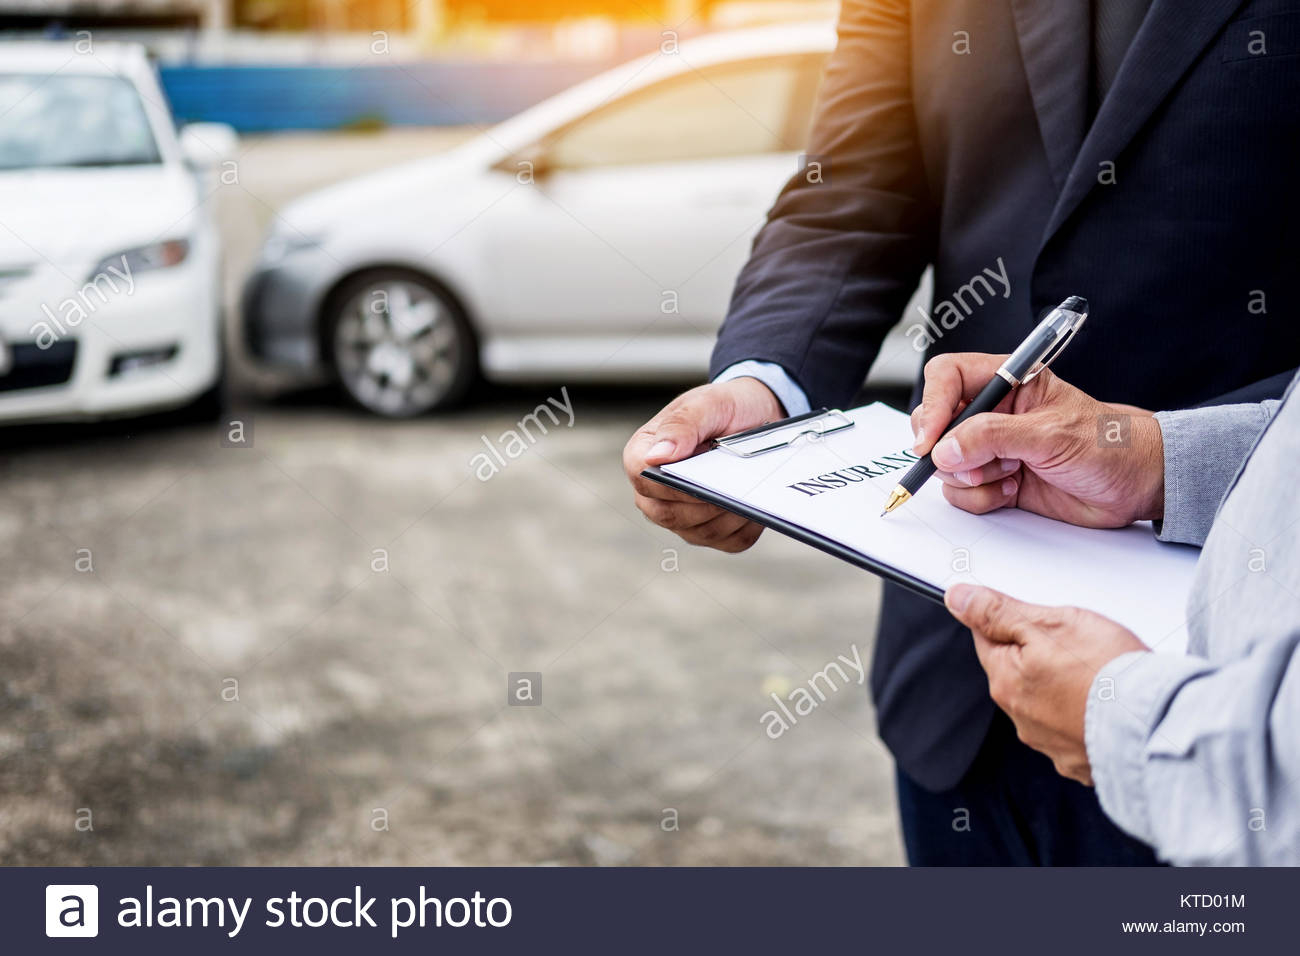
(1198, 760)
(1204, 449)
(785, 388)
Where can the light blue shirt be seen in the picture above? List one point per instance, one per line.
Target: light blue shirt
(1199, 756)
(785, 388)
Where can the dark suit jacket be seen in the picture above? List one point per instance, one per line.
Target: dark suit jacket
(1176, 213)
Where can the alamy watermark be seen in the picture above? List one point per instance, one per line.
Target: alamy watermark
(803, 700)
(948, 313)
(513, 442)
(79, 306)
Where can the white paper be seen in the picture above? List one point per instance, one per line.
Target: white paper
(1125, 574)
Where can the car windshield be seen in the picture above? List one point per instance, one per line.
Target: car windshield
(50, 120)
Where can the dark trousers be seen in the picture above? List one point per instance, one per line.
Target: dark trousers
(1012, 809)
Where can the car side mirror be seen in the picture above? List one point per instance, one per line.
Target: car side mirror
(204, 145)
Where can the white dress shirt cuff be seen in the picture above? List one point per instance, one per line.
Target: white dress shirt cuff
(785, 388)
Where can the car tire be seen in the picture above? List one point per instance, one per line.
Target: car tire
(399, 344)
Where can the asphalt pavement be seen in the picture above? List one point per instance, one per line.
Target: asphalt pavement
(300, 652)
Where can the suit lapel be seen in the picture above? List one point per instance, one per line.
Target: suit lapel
(1172, 36)
(1055, 44)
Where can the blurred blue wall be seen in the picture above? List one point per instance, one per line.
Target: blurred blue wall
(262, 98)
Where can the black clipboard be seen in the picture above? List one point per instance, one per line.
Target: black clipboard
(788, 528)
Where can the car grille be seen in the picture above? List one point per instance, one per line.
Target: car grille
(35, 367)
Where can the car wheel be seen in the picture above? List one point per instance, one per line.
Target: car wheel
(399, 344)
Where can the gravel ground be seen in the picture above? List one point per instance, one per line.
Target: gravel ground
(297, 653)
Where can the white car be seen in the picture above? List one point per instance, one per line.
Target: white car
(109, 261)
(594, 237)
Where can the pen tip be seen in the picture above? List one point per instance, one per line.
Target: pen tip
(885, 512)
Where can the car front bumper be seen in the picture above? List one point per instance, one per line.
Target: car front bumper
(154, 347)
(280, 307)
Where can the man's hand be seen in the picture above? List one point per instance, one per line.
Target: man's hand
(1040, 450)
(1041, 662)
(686, 426)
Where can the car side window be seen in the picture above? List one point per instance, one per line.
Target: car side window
(732, 110)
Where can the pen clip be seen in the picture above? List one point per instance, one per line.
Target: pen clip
(1056, 348)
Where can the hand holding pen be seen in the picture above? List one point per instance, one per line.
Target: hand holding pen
(1038, 350)
(1039, 449)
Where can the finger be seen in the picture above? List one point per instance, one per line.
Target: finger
(949, 380)
(677, 516)
(679, 429)
(984, 498)
(991, 473)
(685, 426)
(649, 488)
(1000, 667)
(1079, 773)
(1031, 437)
(741, 540)
(636, 449)
(984, 650)
(998, 618)
(920, 413)
(635, 453)
(723, 532)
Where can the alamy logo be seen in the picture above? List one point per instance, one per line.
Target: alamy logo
(71, 909)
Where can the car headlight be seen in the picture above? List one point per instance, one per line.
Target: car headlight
(280, 245)
(158, 255)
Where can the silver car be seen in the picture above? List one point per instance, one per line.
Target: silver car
(594, 237)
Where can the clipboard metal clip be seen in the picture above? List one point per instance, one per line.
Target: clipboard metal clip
(784, 433)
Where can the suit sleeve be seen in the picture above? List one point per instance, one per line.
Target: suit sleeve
(849, 236)
(1272, 387)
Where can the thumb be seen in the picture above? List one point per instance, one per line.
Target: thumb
(683, 429)
(987, 612)
(673, 440)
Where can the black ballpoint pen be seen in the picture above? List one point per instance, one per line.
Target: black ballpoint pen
(1034, 354)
